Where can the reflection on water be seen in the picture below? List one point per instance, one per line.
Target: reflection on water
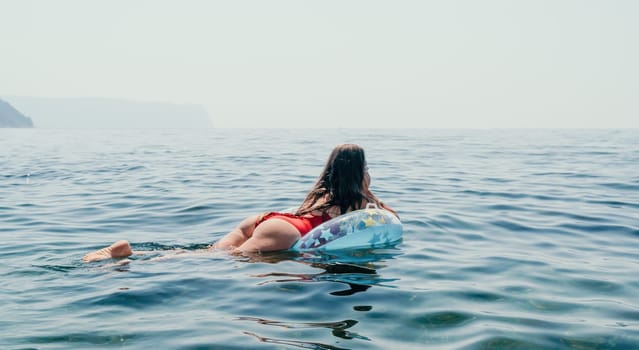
(359, 275)
(338, 329)
(296, 343)
(347, 274)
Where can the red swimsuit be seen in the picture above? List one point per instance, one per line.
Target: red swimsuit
(302, 223)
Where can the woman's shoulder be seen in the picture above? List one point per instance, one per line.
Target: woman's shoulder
(335, 210)
(332, 211)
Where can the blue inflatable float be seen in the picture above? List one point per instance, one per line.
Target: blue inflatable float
(366, 228)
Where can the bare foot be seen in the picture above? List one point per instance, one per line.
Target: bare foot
(118, 249)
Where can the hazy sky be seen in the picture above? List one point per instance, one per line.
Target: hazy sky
(431, 64)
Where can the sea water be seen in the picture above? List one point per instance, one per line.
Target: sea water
(513, 239)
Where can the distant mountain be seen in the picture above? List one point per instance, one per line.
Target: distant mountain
(110, 113)
(12, 118)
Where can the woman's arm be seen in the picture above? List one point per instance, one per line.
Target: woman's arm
(381, 204)
(385, 206)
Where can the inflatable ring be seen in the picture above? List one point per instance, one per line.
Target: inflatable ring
(365, 228)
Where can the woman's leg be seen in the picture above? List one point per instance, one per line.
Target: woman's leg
(239, 235)
(272, 234)
(119, 249)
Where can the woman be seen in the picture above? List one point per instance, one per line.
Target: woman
(343, 186)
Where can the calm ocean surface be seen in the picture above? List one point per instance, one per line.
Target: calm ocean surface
(513, 239)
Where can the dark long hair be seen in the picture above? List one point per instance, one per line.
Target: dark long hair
(340, 183)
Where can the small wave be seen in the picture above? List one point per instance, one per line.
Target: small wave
(571, 215)
(441, 319)
(506, 342)
(610, 228)
(154, 295)
(453, 222)
(577, 175)
(92, 338)
(496, 180)
(503, 207)
(614, 204)
(56, 268)
(195, 208)
(596, 286)
(515, 226)
(477, 296)
(509, 195)
(621, 186)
